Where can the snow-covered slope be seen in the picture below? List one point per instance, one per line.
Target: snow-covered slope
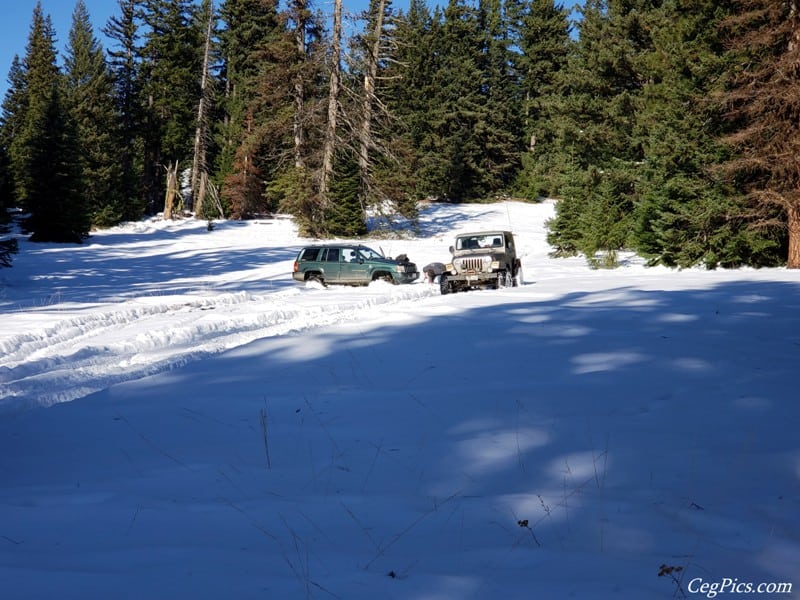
(206, 428)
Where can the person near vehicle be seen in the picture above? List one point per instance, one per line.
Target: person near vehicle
(432, 271)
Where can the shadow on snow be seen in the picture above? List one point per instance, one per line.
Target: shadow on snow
(629, 428)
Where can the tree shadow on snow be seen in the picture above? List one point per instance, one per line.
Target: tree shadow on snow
(623, 423)
(614, 431)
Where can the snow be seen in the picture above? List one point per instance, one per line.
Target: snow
(179, 419)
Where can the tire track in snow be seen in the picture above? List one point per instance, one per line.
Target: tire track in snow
(89, 352)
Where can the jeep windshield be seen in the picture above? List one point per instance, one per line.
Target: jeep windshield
(476, 242)
(368, 253)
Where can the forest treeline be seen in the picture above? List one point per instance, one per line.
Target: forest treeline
(665, 127)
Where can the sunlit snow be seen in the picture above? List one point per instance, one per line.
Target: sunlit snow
(179, 419)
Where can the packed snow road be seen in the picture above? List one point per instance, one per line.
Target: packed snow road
(84, 353)
(151, 296)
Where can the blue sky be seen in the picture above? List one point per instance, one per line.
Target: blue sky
(16, 21)
(17, 16)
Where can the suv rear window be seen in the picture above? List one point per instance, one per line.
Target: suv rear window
(332, 255)
(310, 254)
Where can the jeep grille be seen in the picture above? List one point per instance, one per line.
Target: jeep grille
(472, 264)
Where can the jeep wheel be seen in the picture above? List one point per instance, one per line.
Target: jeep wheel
(504, 279)
(444, 285)
(316, 278)
(383, 277)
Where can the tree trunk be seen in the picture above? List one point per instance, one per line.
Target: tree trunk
(365, 141)
(199, 159)
(793, 214)
(333, 101)
(299, 86)
(172, 190)
(793, 260)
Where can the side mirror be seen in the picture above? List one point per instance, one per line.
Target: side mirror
(452, 250)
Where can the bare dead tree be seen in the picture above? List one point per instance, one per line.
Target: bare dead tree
(333, 101)
(301, 23)
(172, 190)
(199, 166)
(370, 76)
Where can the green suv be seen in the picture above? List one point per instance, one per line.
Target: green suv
(351, 264)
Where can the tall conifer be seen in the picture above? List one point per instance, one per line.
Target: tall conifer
(89, 100)
(44, 150)
(763, 104)
(171, 68)
(540, 29)
(124, 65)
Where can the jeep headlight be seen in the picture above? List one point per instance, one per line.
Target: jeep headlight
(401, 268)
(495, 265)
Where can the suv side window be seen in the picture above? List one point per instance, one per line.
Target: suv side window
(310, 254)
(332, 255)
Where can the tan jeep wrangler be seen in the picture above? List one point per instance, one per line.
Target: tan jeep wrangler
(482, 260)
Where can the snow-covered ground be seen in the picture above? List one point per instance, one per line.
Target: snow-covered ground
(179, 419)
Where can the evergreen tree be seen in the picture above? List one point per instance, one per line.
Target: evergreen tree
(8, 244)
(345, 214)
(11, 122)
(501, 126)
(603, 87)
(252, 27)
(451, 153)
(123, 64)
(540, 29)
(763, 104)
(457, 94)
(685, 216)
(407, 88)
(43, 151)
(89, 100)
(171, 68)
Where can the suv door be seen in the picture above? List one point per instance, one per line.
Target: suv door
(330, 265)
(351, 268)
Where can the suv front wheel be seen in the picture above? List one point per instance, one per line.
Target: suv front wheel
(383, 277)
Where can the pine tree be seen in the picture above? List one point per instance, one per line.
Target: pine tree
(124, 66)
(171, 67)
(345, 214)
(541, 32)
(450, 160)
(602, 86)
(89, 100)
(685, 216)
(252, 27)
(408, 90)
(11, 123)
(8, 244)
(44, 149)
(501, 127)
(762, 104)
